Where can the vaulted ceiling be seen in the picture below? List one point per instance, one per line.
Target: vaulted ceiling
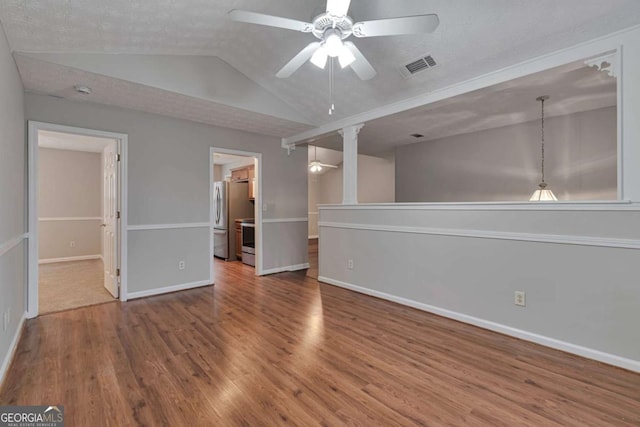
(185, 58)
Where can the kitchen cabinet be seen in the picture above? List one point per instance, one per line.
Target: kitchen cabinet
(238, 235)
(252, 183)
(240, 174)
(246, 174)
(252, 189)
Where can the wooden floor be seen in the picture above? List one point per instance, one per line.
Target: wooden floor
(286, 350)
(73, 284)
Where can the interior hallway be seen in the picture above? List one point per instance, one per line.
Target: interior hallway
(73, 284)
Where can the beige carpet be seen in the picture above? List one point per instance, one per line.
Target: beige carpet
(67, 285)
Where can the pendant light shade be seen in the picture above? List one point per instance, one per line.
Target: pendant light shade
(542, 194)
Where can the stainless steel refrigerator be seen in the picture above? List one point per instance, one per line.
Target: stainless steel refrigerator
(230, 202)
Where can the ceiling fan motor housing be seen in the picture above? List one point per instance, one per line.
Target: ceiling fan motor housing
(325, 21)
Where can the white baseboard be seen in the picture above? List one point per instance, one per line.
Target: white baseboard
(12, 350)
(67, 259)
(589, 353)
(314, 237)
(167, 289)
(287, 268)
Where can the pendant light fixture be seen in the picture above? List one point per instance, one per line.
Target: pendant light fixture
(542, 194)
(315, 166)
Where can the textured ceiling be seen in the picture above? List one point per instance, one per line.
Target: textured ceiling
(43, 77)
(573, 88)
(474, 37)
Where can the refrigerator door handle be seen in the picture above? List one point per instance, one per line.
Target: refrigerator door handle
(218, 207)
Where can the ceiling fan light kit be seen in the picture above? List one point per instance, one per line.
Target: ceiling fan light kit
(332, 28)
(346, 58)
(316, 166)
(333, 43)
(319, 57)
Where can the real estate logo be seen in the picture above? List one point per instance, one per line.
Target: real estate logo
(32, 416)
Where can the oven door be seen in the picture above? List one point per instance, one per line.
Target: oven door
(248, 244)
(248, 238)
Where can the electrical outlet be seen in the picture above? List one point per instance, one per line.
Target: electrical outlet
(181, 265)
(264, 207)
(519, 298)
(350, 264)
(72, 244)
(5, 320)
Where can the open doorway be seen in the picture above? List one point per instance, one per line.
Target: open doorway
(235, 210)
(325, 187)
(75, 210)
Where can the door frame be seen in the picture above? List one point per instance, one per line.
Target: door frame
(257, 204)
(34, 127)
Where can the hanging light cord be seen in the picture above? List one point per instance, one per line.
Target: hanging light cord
(332, 107)
(542, 162)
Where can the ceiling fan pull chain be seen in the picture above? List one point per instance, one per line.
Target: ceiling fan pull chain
(333, 107)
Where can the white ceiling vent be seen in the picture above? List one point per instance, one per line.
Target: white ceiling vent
(424, 62)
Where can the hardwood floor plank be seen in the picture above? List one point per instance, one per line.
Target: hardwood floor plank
(287, 350)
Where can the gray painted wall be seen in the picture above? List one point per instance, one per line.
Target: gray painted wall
(579, 294)
(13, 287)
(69, 185)
(503, 164)
(169, 184)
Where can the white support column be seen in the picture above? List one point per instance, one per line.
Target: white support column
(350, 164)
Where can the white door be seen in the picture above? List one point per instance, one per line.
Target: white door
(110, 218)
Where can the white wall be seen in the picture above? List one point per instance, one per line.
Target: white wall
(13, 245)
(69, 186)
(503, 164)
(577, 262)
(169, 184)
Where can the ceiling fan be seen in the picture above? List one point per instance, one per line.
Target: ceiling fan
(315, 166)
(332, 28)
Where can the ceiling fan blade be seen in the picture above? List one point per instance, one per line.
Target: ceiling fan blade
(360, 66)
(328, 166)
(269, 20)
(394, 26)
(298, 60)
(338, 7)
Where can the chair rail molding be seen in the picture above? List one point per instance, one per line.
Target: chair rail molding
(12, 243)
(564, 239)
